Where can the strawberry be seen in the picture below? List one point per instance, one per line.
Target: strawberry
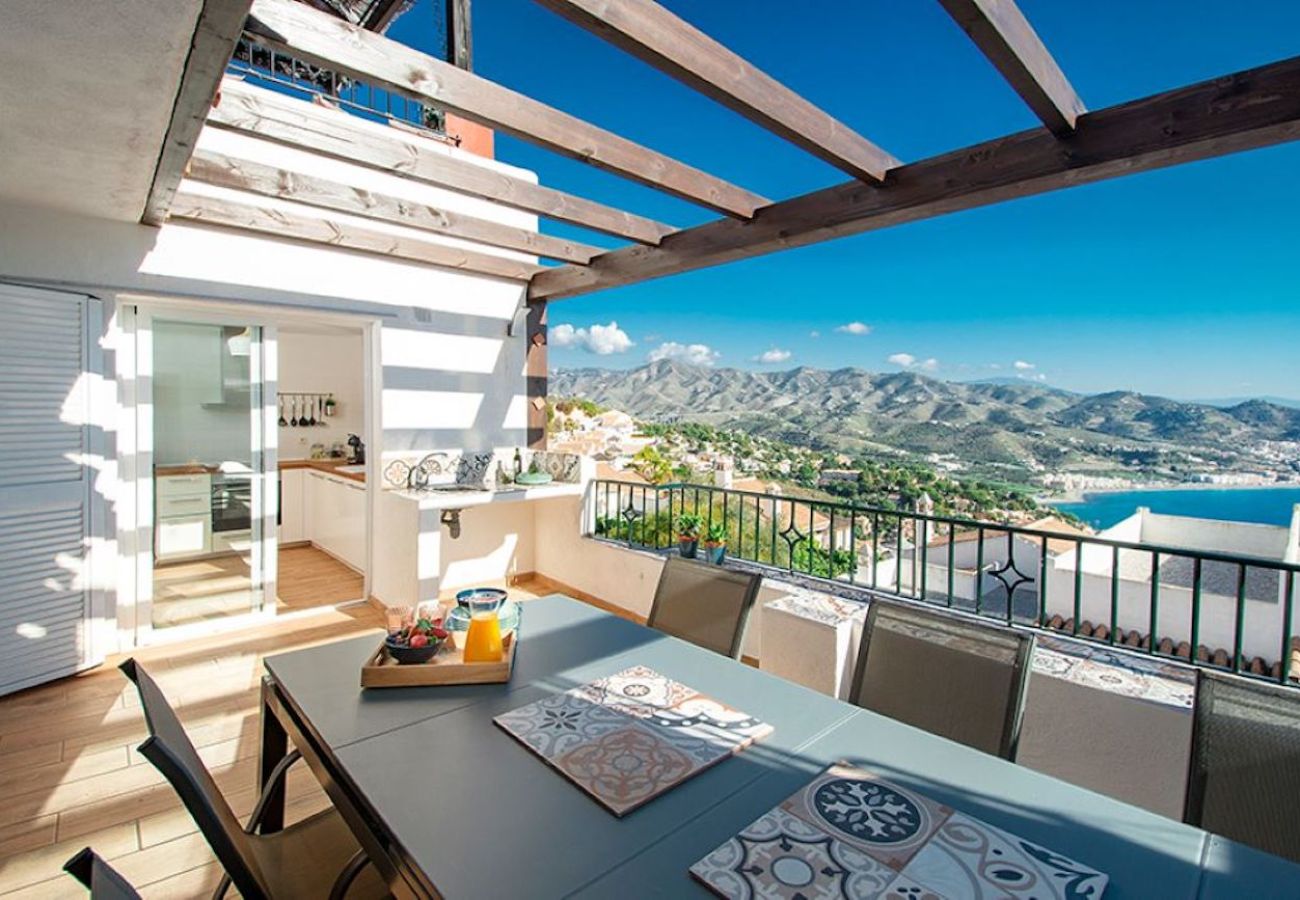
(418, 641)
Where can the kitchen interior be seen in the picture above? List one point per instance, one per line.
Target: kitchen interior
(209, 548)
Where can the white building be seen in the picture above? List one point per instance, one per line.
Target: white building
(1264, 588)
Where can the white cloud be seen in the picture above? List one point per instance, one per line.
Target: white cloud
(855, 328)
(908, 361)
(1039, 376)
(814, 334)
(601, 340)
(695, 354)
(772, 357)
(1022, 366)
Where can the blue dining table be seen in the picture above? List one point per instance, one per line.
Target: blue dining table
(449, 805)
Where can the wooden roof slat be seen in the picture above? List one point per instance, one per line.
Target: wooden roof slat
(336, 233)
(316, 129)
(322, 39)
(271, 181)
(216, 33)
(1004, 35)
(1255, 108)
(646, 30)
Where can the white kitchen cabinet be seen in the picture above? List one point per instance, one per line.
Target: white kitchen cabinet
(183, 509)
(335, 517)
(293, 528)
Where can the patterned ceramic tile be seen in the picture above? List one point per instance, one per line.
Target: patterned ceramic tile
(706, 719)
(884, 820)
(557, 724)
(781, 856)
(850, 834)
(1159, 682)
(904, 888)
(637, 691)
(818, 607)
(625, 768)
(629, 737)
(566, 467)
(968, 858)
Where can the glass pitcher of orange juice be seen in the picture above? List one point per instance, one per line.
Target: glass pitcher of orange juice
(483, 639)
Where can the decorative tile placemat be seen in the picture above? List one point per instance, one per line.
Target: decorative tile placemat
(630, 737)
(851, 834)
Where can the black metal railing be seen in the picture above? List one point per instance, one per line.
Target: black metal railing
(1220, 610)
(259, 63)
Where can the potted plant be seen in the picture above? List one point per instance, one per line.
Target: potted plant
(688, 534)
(715, 543)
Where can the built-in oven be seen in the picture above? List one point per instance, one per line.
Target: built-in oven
(232, 502)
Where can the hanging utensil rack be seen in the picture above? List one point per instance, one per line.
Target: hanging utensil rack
(312, 402)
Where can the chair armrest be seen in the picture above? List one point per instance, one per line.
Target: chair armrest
(277, 775)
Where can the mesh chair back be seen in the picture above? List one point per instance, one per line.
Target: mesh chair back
(1244, 776)
(956, 678)
(706, 605)
(102, 879)
(169, 748)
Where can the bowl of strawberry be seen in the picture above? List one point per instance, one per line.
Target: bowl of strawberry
(417, 642)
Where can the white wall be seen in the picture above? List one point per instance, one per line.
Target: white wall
(1211, 534)
(323, 364)
(193, 420)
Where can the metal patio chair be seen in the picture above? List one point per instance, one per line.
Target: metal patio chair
(101, 879)
(706, 605)
(317, 857)
(954, 677)
(1244, 775)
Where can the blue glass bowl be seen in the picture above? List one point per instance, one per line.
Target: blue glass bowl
(463, 597)
(457, 621)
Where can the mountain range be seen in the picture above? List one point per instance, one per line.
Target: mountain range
(1016, 425)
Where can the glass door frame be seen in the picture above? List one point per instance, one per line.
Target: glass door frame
(136, 455)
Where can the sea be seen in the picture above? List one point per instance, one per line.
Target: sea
(1266, 506)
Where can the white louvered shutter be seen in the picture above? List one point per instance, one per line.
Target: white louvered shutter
(45, 485)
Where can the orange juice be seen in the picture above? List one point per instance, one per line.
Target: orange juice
(483, 640)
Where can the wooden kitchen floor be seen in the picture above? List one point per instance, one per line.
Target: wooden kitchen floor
(214, 588)
(70, 776)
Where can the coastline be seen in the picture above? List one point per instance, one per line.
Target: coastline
(1145, 487)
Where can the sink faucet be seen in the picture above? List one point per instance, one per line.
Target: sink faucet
(358, 449)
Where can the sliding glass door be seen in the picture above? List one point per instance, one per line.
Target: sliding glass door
(205, 470)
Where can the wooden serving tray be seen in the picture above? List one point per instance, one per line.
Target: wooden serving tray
(447, 667)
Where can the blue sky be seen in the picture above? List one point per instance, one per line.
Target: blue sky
(1180, 282)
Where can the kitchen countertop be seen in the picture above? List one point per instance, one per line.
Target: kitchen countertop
(187, 469)
(321, 465)
(465, 499)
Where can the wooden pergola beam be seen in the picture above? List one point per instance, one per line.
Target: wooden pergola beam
(303, 32)
(1004, 35)
(316, 129)
(271, 181)
(646, 30)
(1255, 108)
(216, 33)
(339, 233)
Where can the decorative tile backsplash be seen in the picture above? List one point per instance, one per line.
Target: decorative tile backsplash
(459, 467)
